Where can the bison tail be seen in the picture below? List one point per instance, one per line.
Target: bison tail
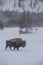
(6, 45)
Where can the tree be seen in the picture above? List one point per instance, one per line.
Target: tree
(1, 4)
(24, 20)
(1, 25)
(31, 4)
(15, 3)
(20, 3)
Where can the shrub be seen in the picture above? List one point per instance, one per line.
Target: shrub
(1, 25)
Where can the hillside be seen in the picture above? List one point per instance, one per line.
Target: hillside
(9, 4)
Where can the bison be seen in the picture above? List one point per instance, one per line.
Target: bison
(15, 43)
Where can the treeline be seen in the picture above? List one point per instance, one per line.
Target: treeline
(11, 18)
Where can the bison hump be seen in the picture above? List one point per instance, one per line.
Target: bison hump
(18, 41)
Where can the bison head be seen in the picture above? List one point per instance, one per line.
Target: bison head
(23, 43)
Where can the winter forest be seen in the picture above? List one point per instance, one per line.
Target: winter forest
(21, 32)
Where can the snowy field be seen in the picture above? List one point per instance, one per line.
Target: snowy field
(32, 54)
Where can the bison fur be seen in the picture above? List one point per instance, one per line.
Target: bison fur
(15, 43)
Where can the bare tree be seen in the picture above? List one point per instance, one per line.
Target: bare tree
(15, 3)
(38, 8)
(20, 3)
(31, 4)
(1, 4)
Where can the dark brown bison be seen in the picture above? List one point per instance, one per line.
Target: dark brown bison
(16, 43)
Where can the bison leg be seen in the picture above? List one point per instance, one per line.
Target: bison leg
(17, 48)
(14, 48)
(10, 48)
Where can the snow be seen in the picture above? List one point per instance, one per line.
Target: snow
(32, 54)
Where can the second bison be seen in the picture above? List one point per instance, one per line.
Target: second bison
(16, 43)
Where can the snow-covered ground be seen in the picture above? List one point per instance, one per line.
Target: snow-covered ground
(32, 54)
